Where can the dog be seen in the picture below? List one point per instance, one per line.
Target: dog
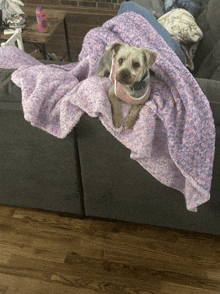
(128, 68)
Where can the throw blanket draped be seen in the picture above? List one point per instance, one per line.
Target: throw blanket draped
(174, 137)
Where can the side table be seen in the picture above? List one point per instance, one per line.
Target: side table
(30, 33)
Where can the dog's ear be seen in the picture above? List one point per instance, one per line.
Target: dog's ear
(149, 57)
(115, 47)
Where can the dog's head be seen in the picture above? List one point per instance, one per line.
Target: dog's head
(131, 62)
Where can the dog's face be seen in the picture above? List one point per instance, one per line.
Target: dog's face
(131, 62)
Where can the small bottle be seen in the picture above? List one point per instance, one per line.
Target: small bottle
(41, 20)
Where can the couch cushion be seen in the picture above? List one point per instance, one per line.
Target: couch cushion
(8, 90)
(210, 63)
(202, 22)
(37, 169)
(211, 89)
(207, 55)
(207, 43)
(117, 187)
(213, 18)
(216, 75)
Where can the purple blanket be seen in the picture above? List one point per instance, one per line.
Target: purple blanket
(174, 137)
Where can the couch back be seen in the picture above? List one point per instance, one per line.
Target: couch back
(207, 59)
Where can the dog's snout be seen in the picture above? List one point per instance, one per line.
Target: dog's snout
(124, 74)
(124, 77)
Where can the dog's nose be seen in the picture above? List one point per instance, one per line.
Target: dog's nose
(124, 74)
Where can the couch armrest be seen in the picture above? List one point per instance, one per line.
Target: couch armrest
(9, 92)
(211, 89)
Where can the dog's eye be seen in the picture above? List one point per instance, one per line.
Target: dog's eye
(120, 60)
(136, 64)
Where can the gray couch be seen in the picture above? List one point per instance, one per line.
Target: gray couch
(90, 173)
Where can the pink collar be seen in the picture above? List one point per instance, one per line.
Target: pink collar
(119, 89)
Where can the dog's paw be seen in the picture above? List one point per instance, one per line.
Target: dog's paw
(117, 120)
(129, 123)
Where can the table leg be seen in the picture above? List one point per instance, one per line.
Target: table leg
(42, 48)
(44, 51)
(67, 40)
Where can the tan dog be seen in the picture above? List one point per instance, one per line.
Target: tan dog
(131, 66)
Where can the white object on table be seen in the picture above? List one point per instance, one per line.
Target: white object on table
(15, 37)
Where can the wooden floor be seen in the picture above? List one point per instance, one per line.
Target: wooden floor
(43, 252)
